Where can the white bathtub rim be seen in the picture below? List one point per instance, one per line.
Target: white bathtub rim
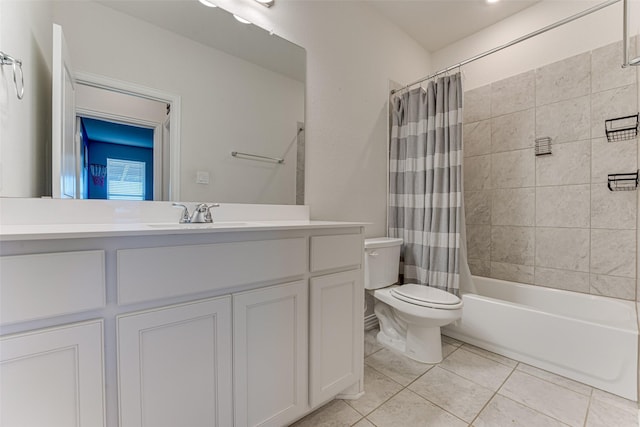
(630, 320)
(631, 328)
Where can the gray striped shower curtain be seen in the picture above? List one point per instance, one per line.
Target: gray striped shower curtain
(425, 200)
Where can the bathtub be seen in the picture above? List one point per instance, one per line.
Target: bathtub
(588, 338)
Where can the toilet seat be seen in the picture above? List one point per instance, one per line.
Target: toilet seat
(426, 296)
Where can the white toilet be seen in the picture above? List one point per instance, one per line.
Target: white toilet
(410, 315)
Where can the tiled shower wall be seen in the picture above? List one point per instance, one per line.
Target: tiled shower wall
(551, 220)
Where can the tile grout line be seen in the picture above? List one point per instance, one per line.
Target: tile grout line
(494, 394)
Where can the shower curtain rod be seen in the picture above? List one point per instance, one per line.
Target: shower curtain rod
(511, 43)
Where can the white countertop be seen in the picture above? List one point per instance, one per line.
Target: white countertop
(78, 231)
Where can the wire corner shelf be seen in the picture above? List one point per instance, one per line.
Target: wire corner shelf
(622, 128)
(623, 181)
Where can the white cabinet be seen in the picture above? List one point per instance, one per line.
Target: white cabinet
(336, 334)
(246, 328)
(53, 377)
(270, 355)
(174, 365)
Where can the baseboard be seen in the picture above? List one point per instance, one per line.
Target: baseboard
(370, 322)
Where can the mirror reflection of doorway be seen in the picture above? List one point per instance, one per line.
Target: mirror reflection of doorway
(122, 144)
(117, 160)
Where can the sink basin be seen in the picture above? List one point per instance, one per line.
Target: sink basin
(199, 226)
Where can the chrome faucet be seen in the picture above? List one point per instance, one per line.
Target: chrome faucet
(201, 213)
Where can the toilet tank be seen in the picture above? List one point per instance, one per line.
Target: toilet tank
(381, 262)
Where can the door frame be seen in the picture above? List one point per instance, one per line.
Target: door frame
(134, 89)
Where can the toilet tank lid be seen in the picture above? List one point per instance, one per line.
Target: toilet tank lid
(382, 242)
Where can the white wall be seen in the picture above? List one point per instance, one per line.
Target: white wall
(25, 125)
(592, 31)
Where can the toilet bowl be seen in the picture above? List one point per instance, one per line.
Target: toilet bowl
(410, 315)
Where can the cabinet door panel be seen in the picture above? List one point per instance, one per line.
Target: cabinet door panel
(270, 355)
(174, 365)
(336, 333)
(53, 377)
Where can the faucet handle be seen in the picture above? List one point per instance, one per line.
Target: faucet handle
(184, 216)
(208, 217)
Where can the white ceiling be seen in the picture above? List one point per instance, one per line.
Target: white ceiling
(437, 23)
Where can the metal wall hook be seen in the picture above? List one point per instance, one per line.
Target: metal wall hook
(16, 65)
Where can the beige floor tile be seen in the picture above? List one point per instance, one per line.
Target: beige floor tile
(378, 388)
(479, 369)
(447, 349)
(396, 366)
(505, 412)
(490, 355)
(407, 409)
(334, 414)
(612, 399)
(455, 394)
(550, 399)
(556, 379)
(602, 414)
(371, 344)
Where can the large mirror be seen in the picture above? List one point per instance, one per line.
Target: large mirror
(221, 104)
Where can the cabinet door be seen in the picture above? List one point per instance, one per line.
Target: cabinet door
(270, 355)
(174, 365)
(336, 333)
(53, 377)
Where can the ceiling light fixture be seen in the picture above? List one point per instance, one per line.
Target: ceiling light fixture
(492, 1)
(208, 3)
(267, 3)
(240, 19)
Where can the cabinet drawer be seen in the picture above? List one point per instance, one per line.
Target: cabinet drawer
(336, 251)
(50, 284)
(154, 273)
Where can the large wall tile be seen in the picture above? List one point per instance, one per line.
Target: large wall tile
(477, 207)
(562, 248)
(569, 163)
(566, 79)
(479, 241)
(477, 104)
(613, 252)
(613, 209)
(513, 207)
(563, 206)
(612, 157)
(606, 72)
(513, 169)
(610, 286)
(480, 267)
(513, 94)
(513, 131)
(477, 173)
(611, 104)
(512, 272)
(477, 138)
(512, 245)
(564, 121)
(562, 279)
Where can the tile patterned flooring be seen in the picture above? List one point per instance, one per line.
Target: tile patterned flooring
(470, 387)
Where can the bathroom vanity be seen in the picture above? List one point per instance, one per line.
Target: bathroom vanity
(240, 323)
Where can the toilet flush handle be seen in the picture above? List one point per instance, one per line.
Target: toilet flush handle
(374, 253)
